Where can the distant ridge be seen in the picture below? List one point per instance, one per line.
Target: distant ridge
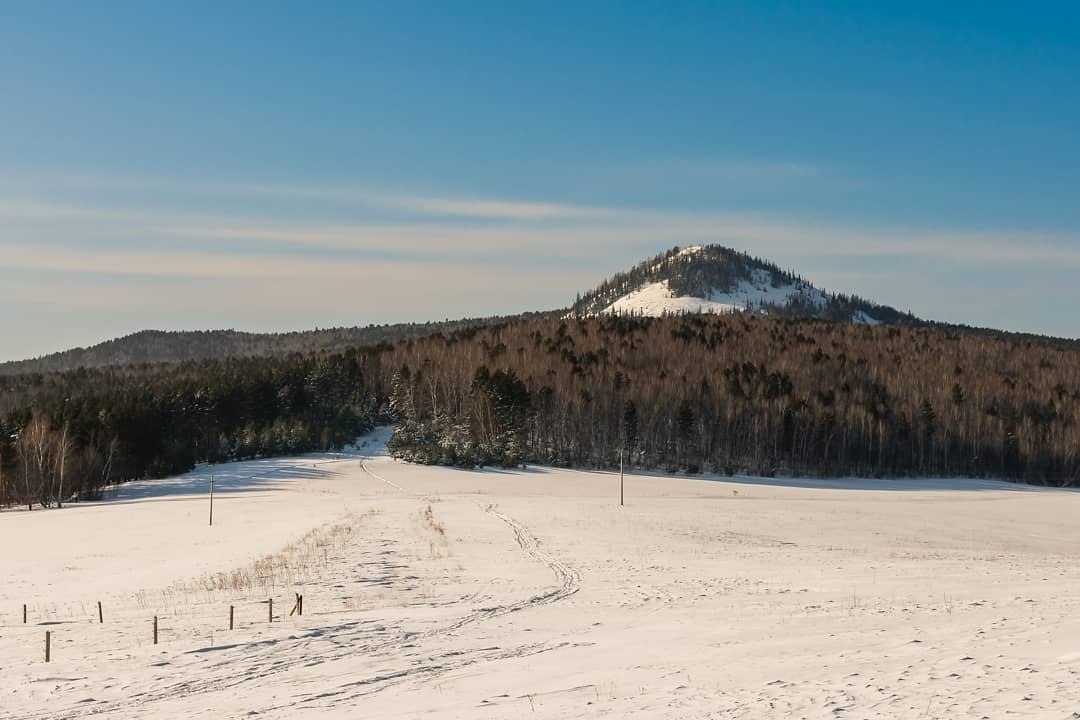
(160, 346)
(695, 279)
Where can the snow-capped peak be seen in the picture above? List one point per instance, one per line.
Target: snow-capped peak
(715, 279)
(756, 293)
(692, 250)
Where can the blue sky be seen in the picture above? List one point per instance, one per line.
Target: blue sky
(274, 166)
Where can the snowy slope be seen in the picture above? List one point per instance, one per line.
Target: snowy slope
(445, 593)
(715, 279)
(861, 317)
(757, 293)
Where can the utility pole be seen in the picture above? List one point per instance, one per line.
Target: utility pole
(63, 459)
(211, 501)
(622, 482)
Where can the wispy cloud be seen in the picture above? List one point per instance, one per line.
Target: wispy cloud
(661, 229)
(474, 229)
(269, 256)
(492, 209)
(358, 196)
(161, 263)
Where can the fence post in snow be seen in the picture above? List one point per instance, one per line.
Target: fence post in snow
(270, 610)
(155, 629)
(298, 606)
(231, 617)
(100, 615)
(48, 646)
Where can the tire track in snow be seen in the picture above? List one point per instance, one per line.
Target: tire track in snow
(569, 584)
(568, 577)
(432, 668)
(277, 656)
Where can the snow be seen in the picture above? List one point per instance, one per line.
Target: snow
(446, 593)
(657, 299)
(861, 317)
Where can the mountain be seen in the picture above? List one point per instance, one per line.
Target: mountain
(698, 279)
(716, 279)
(760, 384)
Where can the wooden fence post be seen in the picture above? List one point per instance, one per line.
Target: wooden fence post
(231, 617)
(100, 615)
(48, 646)
(270, 613)
(155, 629)
(24, 613)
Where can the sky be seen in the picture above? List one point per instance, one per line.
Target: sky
(280, 166)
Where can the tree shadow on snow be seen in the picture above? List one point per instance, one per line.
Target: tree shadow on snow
(229, 479)
(884, 484)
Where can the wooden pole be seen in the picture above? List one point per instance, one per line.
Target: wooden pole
(211, 501)
(48, 646)
(270, 612)
(231, 617)
(155, 629)
(301, 605)
(24, 613)
(100, 615)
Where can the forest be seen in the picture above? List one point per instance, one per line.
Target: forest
(741, 393)
(727, 394)
(65, 436)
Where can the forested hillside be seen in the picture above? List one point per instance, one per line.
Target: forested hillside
(68, 434)
(719, 393)
(709, 278)
(158, 346)
(741, 393)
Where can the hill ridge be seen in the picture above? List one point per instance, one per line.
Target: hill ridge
(715, 278)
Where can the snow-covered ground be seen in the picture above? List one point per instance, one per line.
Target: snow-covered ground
(657, 299)
(434, 592)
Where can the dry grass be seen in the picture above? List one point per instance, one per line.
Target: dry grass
(439, 547)
(299, 562)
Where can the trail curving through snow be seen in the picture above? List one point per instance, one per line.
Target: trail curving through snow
(256, 660)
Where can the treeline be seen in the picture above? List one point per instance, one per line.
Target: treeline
(718, 393)
(741, 393)
(64, 436)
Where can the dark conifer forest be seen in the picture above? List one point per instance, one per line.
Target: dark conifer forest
(68, 435)
(705, 393)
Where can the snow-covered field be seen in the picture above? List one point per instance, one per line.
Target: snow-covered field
(433, 592)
